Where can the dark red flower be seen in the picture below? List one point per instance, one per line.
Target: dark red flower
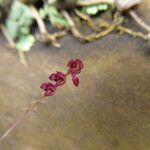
(58, 77)
(75, 80)
(49, 92)
(75, 66)
(49, 88)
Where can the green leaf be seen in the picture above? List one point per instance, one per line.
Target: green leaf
(26, 19)
(25, 43)
(93, 10)
(24, 30)
(103, 7)
(19, 20)
(42, 13)
(12, 28)
(51, 1)
(16, 10)
(1, 1)
(54, 16)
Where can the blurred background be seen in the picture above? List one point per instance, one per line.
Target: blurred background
(110, 110)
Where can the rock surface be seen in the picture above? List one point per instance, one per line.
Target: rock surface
(109, 110)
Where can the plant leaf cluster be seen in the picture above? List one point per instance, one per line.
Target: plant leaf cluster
(20, 19)
(18, 25)
(54, 16)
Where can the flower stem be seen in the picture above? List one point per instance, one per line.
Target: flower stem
(20, 119)
(22, 57)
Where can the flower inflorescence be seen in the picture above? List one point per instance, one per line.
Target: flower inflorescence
(59, 78)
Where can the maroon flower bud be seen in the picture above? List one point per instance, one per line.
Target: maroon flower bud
(49, 92)
(75, 66)
(49, 88)
(75, 80)
(58, 77)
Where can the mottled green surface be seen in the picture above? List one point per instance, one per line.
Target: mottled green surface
(109, 111)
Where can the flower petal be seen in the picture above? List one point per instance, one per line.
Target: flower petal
(58, 77)
(70, 62)
(52, 77)
(48, 86)
(43, 86)
(49, 93)
(80, 62)
(75, 66)
(75, 80)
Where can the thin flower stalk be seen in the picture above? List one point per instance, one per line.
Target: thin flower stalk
(49, 89)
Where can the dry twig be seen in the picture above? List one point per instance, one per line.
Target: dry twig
(13, 45)
(101, 34)
(88, 38)
(139, 21)
(102, 24)
(86, 18)
(72, 26)
(45, 36)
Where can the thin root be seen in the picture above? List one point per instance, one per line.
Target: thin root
(139, 21)
(86, 18)
(101, 34)
(45, 36)
(12, 44)
(22, 57)
(72, 25)
(7, 36)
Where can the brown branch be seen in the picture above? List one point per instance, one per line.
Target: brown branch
(77, 34)
(133, 33)
(101, 34)
(7, 36)
(45, 36)
(60, 34)
(105, 25)
(124, 29)
(88, 38)
(13, 44)
(72, 25)
(86, 18)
